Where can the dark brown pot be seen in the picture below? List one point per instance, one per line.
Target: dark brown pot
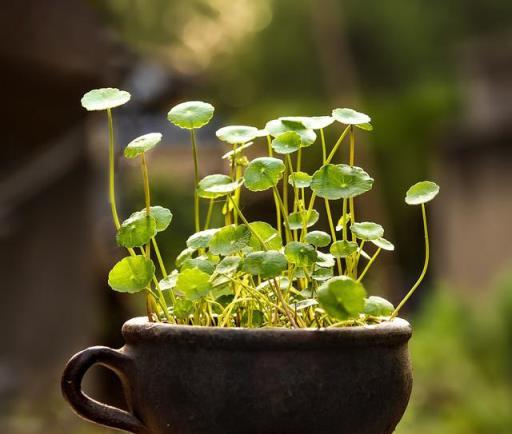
(198, 380)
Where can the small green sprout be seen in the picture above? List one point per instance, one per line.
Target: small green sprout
(257, 273)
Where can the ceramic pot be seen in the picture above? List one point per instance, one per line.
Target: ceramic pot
(209, 380)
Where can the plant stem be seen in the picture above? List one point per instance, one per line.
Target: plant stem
(324, 147)
(209, 214)
(111, 171)
(370, 262)
(333, 231)
(425, 265)
(278, 210)
(337, 145)
(308, 215)
(196, 179)
(246, 222)
(285, 214)
(159, 257)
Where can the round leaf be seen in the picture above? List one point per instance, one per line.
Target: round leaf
(214, 186)
(342, 297)
(278, 126)
(183, 308)
(169, 282)
(184, 255)
(131, 274)
(301, 254)
(193, 283)
(237, 134)
(340, 181)
(263, 173)
(311, 122)
(325, 260)
(265, 264)
(350, 117)
(103, 99)
(267, 233)
(378, 306)
(136, 231)
(286, 143)
(230, 239)
(421, 192)
(228, 265)
(191, 114)
(383, 244)
(342, 249)
(318, 238)
(299, 179)
(142, 144)
(322, 274)
(367, 231)
(201, 263)
(296, 219)
(162, 216)
(201, 239)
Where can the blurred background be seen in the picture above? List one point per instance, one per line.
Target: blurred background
(436, 78)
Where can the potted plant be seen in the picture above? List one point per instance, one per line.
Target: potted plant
(262, 328)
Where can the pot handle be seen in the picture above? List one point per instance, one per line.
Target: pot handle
(87, 407)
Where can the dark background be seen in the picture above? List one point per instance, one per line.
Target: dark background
(435, 76)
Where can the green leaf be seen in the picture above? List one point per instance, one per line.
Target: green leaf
(230, 239)
(142, 144)
(136, 231)
(201, 239)
(421, 192)
(378, 306)
(237, 134)
(322, 274)
(318, 238)
(325, 260)
(367, 231)
(342, 297)
(311, 122)
(286, 143)
(169, 282)
(267, 233)
(103, 99)
(296, 219)
(304, 304)
(214, 186)
(278, 126)
(301, 254)
(162, 216)
(183, 308)
(342, 249)
(200, 263)
(131, 274)
(340, 181)
(193, 283)
(365, 126)
(184, 255)
(236, 152)
(228, 265)
(263, 173)
(265, 264)
(383, 244)
(350, 117)
(343, 220)
(299, 179)
(191, 114)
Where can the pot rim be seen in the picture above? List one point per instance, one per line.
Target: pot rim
(393, 332)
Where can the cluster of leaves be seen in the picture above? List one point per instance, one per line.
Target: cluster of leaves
(254, 274)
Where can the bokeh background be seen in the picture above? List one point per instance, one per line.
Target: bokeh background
(436, 77)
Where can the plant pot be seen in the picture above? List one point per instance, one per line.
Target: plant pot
(199, 380)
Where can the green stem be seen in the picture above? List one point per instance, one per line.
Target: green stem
(285, 214)
(333, 231)
(370, 262)
(209, 214)
(324, 147)
(425, 265)
(337, 145)
(159, 257)
(246, 222)
(111, 158)
(196, 179)
(308, 215)
(278, 210)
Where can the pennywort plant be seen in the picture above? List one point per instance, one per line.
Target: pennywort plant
(283, 273)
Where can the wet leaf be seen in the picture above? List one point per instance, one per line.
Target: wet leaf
(287, 143)
(367, 231)
(237, 134)
(191, 114)
(136, 231)
(131, 274)
(265, 264)
(229, 239)
(193, 283)
(378, 306)
(263, 173)
(340, 181)
(318, 238)
(342, 297)
(342, 249)
(142, 144)
(105, 98)
(421, 192)
(296, 219)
